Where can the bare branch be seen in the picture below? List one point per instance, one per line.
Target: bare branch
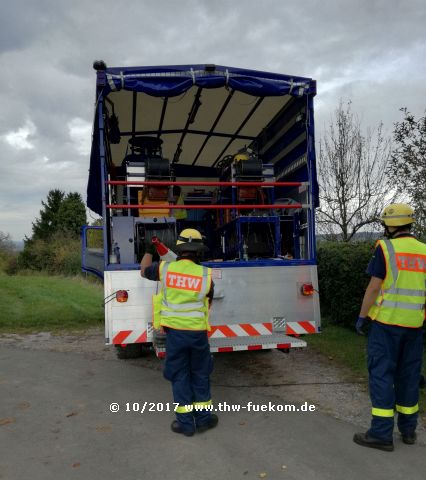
(352, 174)
(407, 167)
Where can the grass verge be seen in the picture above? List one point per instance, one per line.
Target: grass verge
(344, 347)
(348, 349)
(31, 303)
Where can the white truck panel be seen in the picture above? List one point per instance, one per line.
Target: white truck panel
(243, 295)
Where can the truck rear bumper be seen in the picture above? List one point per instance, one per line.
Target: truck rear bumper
(260, 342)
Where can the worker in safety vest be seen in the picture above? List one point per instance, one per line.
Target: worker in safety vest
(395, 303)
(182, 309)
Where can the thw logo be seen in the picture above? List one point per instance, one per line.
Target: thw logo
(183, 281)
(409, 261)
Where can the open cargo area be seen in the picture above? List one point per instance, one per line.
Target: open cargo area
(226, 151)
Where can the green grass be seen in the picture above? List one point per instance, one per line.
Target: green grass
(31, 303)
(344, 347)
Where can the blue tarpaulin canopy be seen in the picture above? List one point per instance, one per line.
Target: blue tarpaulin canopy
(201, 112)
(175, 80)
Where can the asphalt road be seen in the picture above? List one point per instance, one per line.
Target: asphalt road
(55, 423)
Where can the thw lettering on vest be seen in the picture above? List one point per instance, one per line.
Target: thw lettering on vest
(183, 281)
(411, 262)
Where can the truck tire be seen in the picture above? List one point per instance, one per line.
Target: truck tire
(133, 350)
(146, 349)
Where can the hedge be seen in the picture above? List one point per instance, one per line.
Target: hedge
(59, 256)
(342, 279)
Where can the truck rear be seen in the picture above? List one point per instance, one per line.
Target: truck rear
(229, 152)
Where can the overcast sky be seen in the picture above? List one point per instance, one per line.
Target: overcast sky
(370, 51)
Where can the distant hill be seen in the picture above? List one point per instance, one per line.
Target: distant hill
(358, 237)
(18, 245)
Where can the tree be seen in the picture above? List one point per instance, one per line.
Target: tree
(95, 237)
(45, 226)
(55, 245)
(8, 253)
(352, 176)
(407, 167)
(71, 215)
(6, 244)
(61, 213)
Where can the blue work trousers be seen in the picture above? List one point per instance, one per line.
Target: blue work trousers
(188, 366)
(394, 366)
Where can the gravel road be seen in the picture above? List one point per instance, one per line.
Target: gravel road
(302, 375)
(56, 420)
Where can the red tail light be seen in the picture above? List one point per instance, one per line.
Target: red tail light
(307, 289)
(121, 296)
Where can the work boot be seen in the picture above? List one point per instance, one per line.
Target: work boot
(214, 420)
(409, 438)
(178, 429)
(366, 441)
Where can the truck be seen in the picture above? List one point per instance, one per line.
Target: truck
(229, 152)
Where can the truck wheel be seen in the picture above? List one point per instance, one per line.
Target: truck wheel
(133, 350)
(146, 349)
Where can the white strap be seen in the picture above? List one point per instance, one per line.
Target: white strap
(163, 282)
(111, 82)
(204, 284)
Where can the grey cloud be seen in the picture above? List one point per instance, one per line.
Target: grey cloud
(22, 22)
(370, 51)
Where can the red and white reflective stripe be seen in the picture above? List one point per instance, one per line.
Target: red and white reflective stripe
(124, 337)
(161, 353)
(300, 328)
(265, 346)
(240, 330)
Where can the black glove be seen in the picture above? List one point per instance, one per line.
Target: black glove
(150, 247)
(159, 337)
(361, 326)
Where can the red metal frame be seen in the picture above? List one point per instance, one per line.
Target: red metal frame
(206, 207)
(208, 184)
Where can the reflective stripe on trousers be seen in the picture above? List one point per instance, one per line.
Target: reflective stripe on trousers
(394, 365)
(188, 366)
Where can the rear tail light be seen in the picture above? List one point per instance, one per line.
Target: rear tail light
(307, 289)
(121, 296)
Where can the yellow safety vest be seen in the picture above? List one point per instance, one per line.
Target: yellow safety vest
(182, 303)
(402, 297)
